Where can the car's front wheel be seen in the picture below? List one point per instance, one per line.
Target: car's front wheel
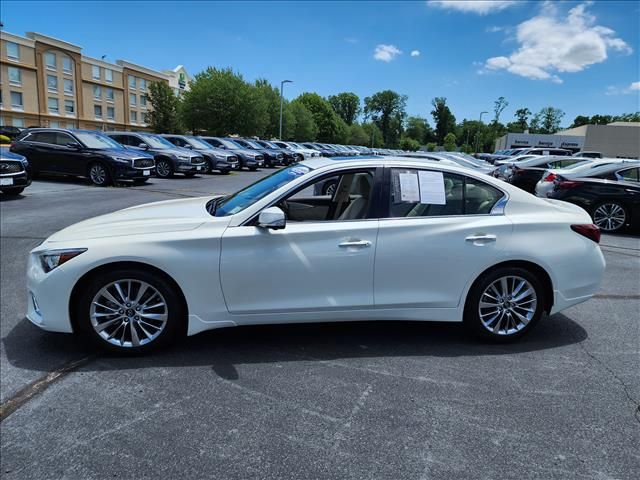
(13, 192)
(610, 216)
(99, 175)
(164, 169)
(504, 304)
(130, 311)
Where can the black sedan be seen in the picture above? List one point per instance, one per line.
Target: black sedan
(613, 204)
(14, 173)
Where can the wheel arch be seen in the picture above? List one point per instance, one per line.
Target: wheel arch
(84, 280)
(532, 267)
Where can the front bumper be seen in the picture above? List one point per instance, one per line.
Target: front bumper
(190, 167)
(131, 173)
(16, 180)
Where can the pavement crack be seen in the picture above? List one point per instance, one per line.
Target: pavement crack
(26, 393)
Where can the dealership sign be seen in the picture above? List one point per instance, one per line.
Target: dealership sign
(521, 140)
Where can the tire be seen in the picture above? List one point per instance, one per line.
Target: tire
(164, 168)
(190, 174)
(140, 181)
(511, 317)
(13, 192)
(610, 216)
(252, 169)
(226, 171)
(99, 174)
(120, 331)
(329, 188)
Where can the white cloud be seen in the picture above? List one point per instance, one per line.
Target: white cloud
(615, 90)
(386, 53)
(550, 44)
(480, 7)
(415, 53)
(634, 86)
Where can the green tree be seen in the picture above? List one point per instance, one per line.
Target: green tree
(220, 102)
(579, 121)
(498, 107)
(627, 117)
(387, 110)
(418, 128)
(346, 105)
(302, 126)
(431, 146)
(374, 135)
(407, 143)
(327, 121)
(163, 116)
(443, 118)
(358, 135)
(522, 119)
(450, 142)
(270, 97)
(547, 120)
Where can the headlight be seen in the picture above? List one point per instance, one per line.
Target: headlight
(51, 259)
(182, 157)
(123, 160)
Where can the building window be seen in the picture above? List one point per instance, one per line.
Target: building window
(143, 100)
(13, 50)
(95, 72)
(110, 94)
(68, 85)
(66, 64)
(16, 100)
(54, 124)
(143, 118)
(143, 84)
(97, 91)
(132, 82)
(69, 107)
(97, 111)
(15, 76)
(52, 83)
(111, 113)
(132, 99)
(133, 117)
(50, 60)
(52, 103)
(108, 75)
(18, 122)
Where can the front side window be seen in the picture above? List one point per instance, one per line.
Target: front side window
(52, 103)
(97, 111)
(95, 72)
(97, 91)
(629, 175)
(68, 85)
(108, 75)
(69, 107)
(13, 50)
(16, 100)
(94, 140)
(52, 83)
(15, 76)
(50, 60)
(67, 65)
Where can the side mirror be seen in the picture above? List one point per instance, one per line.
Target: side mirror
(272, 218)
(143, 146)
(74, 146)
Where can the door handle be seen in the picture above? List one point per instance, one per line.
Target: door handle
(355, 243)
(481, 239)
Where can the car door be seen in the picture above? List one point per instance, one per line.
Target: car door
(69, 160)
(312, 265)
(439, 231)
(44, 152)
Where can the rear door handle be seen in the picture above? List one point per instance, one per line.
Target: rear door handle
(355, 243)
(481, 239)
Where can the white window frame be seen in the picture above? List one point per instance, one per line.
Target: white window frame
(9, 55)
(16, 83)
(108, 75)
(132, 77)
(112, 98)
(70, 60)
(111, 117)
(133, 114)
(73, 104)
(15, 106)
(98, 89)
(53, 67)
(55, 88)
(132, 96)
(51, 111)
(95, 68)
(95, 113)
(143, 103)
(66, 82)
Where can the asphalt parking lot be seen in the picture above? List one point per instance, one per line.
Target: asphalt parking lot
(356, 400)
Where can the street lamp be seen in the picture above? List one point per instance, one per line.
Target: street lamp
(478, 132)
(281, 101)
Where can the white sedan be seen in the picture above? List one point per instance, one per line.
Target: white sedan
(398, 239)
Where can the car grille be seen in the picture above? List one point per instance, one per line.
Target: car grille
(197, 160)
(232, 159)
(143, 163)
(279, 156)
(9, 167)
(259, 158)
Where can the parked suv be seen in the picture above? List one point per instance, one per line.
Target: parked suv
(250, 159)
(82, 153)
(215, 158)
(271, 157)
(289, 155)
(14, 173)
(169, 159)
(301, 151)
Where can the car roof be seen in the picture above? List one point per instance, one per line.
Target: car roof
(378, 161)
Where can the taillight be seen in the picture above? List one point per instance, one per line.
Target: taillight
(567, 184)
(589, 230)
(550, 177)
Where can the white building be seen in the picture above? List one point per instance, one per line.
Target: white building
(571, 142)
(179, 79)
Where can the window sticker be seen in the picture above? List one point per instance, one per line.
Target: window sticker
(432, 188)
(409, 189)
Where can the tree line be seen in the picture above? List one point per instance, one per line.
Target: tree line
(220, 102)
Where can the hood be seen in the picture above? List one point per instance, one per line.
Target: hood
(183, 152)
(247, 152)
(158, 217)
(124, 153)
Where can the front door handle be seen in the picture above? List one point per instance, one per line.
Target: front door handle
(355, 243)
(481, 239)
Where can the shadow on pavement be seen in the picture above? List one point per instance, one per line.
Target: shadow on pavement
(29, 348)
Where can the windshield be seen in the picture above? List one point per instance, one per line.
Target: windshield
(198, 144)
(95, 140)
(229, 143)
(248, 196)
(156, 142)
(254, 145)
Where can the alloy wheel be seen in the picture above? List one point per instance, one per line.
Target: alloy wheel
(163, 168)
(609, 217)
(128, 313)
(98, 174)
(331, 189)
(507, 305)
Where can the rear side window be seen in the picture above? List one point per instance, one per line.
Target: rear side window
(421, 193)
(42, 137)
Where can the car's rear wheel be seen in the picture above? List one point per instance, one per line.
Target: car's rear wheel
(12, 192)
(130, 311)
(610, 216)
(99, 175)
(164, 169)
(504, 304)
(329, 188)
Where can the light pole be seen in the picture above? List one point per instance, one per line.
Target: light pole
(281, 101)
(478, 132)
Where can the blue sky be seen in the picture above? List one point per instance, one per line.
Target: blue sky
(581, 57)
